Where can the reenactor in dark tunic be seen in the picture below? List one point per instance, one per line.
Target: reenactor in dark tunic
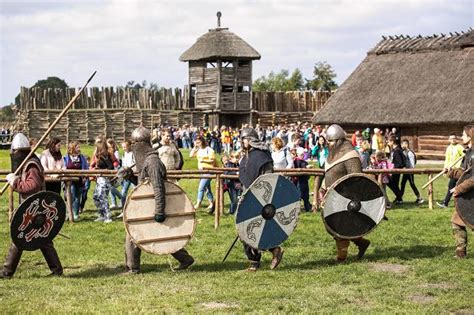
(28, 182)
(150, 166)
(458, 225)
(342, 160)
(257, 160)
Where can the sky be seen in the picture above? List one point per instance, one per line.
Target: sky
(143, 39)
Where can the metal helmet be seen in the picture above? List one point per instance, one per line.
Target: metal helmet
(335, 132)
(248, 133)
(20, 141)
(141, 134)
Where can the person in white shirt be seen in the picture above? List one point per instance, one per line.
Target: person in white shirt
(281, 155)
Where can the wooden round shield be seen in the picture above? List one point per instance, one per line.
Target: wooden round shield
(159, 238)
(268, 212)
(353, 206)
(465, 203)
(38, 220)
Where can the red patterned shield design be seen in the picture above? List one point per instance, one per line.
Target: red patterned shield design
(38, 220)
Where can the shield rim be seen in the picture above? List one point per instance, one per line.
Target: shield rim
(242, 198)
(32, 197)
(460, 180)
(337, 182)
(133, 239)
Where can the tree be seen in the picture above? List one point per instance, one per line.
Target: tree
(280, 82)
(51, 82)
(143, 85)
(323, 78)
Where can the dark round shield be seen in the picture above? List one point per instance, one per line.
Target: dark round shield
(38, 220)
(465, 203)
(268, 212)
(353, 206)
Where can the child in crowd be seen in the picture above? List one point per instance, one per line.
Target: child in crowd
(233, 186)
(364, 152)
(302, 182)
(85, 189)
(74, 160)
(379, 161)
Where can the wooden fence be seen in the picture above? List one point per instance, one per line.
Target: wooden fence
(162, 99)
(218, 175)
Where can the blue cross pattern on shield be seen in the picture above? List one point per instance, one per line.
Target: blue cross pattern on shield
(268, 212)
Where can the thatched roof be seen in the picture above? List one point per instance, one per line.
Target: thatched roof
(219, 43)
(408, 81)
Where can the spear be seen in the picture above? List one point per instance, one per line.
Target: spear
(64, 111)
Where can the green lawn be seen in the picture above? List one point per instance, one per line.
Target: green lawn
(409, 268)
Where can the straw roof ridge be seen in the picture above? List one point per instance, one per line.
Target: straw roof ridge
(435, 42)
(219, 43)
(433, 87)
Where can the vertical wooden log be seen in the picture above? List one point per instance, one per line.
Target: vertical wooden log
(219, 87)
(11, 203)
(217, 211)
(69, 201)
(221, 197)
(430, 193)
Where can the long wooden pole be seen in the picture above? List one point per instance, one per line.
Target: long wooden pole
(442, 172)
(40, 141)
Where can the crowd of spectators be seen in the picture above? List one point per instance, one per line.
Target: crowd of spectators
(300, 145)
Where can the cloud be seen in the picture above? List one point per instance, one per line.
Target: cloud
(142, 40)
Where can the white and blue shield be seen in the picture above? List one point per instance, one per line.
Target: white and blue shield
(268, 212)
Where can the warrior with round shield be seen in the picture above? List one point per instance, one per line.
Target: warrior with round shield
(29, 181)
(256, 161)
(150, 167)
(463, 192)
(342, 160)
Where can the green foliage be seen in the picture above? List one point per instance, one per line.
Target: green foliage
(135, 85)
(409, 268)
(6, 114)
(280, 82)
(323, 78)
(51, 82)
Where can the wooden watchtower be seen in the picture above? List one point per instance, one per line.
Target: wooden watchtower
(220, 76)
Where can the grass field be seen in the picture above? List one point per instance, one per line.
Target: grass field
(409, 268)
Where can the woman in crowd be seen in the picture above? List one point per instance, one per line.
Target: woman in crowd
(103, 160)
(74, 160)
(280, 154)
(206, 158)
(114, 192)
(52, 160)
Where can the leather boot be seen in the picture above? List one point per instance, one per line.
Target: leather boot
(362, 244)
(461, 253)
(185, 260)
(342, 246)
(277, 257)
(254, 266)
(12, 261)
(132, 256)
(52, 259)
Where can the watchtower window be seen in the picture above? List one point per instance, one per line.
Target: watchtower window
(210, 65)
(244, 63)
(243, 89)
(227, 88)
(227, 64)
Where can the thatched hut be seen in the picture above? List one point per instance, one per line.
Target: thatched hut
(423, 85)
(220, 76)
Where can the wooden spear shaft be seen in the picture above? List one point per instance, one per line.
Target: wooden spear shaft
(64, 111)
(442, 172)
